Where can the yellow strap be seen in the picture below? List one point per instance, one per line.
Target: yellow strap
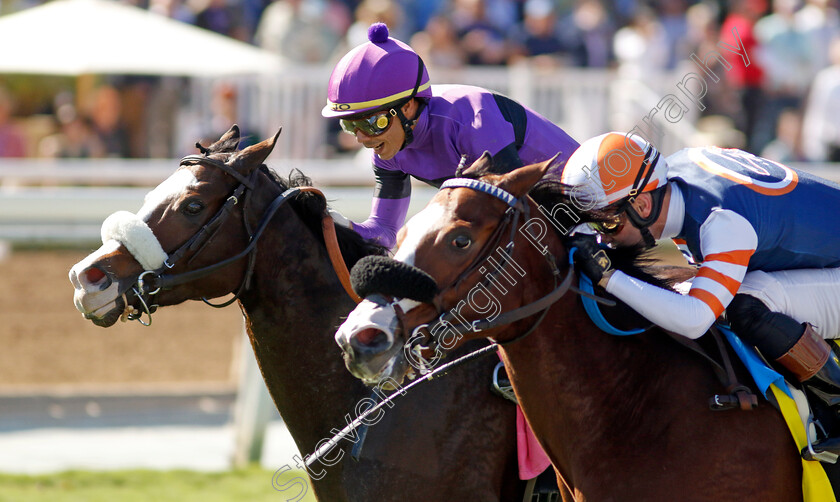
(815, 484)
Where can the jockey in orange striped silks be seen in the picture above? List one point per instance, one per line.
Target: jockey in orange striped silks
(765, 236)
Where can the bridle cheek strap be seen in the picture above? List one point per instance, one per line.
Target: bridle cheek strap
(133, 233)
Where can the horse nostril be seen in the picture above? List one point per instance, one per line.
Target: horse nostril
(94, 276)
(369, 338)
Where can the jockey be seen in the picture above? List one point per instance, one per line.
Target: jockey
(384, 82)
(769, 249)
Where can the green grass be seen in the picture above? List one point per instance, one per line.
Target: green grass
(253, 484)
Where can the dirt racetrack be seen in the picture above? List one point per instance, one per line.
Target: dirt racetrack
(45, 341)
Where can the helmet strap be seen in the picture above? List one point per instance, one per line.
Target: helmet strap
(408, 125)
(649, 162)
(656, 197)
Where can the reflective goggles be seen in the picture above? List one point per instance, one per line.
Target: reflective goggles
(371, 126)
(612, 225)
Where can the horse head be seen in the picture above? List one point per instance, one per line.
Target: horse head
(458, 267)
(204, 201)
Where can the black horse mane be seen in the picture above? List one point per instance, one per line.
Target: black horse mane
(311, 208)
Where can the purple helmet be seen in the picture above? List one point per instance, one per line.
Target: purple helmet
(381, 72)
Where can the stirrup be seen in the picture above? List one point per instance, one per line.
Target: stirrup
(825, 450)
(543, 488)
(502, 387)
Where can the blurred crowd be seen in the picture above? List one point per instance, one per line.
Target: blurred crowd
(782, 105)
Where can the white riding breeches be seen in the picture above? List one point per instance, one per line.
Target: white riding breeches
(806, 295)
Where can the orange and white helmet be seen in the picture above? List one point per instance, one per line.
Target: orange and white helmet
(613, 167)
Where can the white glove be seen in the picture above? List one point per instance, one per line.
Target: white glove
(340, 219)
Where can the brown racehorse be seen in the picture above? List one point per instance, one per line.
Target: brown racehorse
(622, 418)
(448, 440)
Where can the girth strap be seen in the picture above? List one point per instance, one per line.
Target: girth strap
(738, 394)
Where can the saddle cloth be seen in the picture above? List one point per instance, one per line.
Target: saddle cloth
(532, 458)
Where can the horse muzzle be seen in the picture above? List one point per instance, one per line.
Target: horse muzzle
(369, 341)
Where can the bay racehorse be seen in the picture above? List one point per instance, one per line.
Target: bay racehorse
(450, 440)
(623, 418)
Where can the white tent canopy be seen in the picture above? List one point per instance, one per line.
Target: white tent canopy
(75, 37)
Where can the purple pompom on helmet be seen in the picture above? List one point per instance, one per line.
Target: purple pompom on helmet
(380, 73)
(378, 33)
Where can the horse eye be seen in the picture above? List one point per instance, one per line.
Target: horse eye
(193, 207)
(461, 242)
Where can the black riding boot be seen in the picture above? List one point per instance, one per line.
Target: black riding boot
(825, 384)
(813, 363)
(797, 347)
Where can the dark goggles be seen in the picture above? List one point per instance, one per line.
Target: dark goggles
(611, 225)
(371, 126)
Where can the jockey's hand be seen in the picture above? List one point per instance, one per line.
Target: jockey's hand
(591, 259)
(339, 218)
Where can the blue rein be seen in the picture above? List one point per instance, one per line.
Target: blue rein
(591, 306)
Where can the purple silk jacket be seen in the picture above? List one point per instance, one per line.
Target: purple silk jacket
(458, 120)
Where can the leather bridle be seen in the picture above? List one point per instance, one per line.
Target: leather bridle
(151, 282)
(447, 322)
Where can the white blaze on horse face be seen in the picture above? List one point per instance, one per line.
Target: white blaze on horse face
(427, 221)
(171, 189)
(369, 315)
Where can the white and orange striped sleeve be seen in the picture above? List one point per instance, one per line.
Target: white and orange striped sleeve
(727, 241)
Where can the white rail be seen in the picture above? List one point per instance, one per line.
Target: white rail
(579, 100)
(73, 214)
(37, 205)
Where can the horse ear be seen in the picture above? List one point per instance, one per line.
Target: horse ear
(252, 157)
(518, 182)
(483, 165)
(229, 141)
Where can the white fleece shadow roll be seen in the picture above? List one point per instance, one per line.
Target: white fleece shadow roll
(133, 233)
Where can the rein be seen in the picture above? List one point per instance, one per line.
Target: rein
(151, 282)
(510, 317)
(518, 206)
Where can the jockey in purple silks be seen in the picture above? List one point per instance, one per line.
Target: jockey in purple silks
(383, 82)
(381, 93)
